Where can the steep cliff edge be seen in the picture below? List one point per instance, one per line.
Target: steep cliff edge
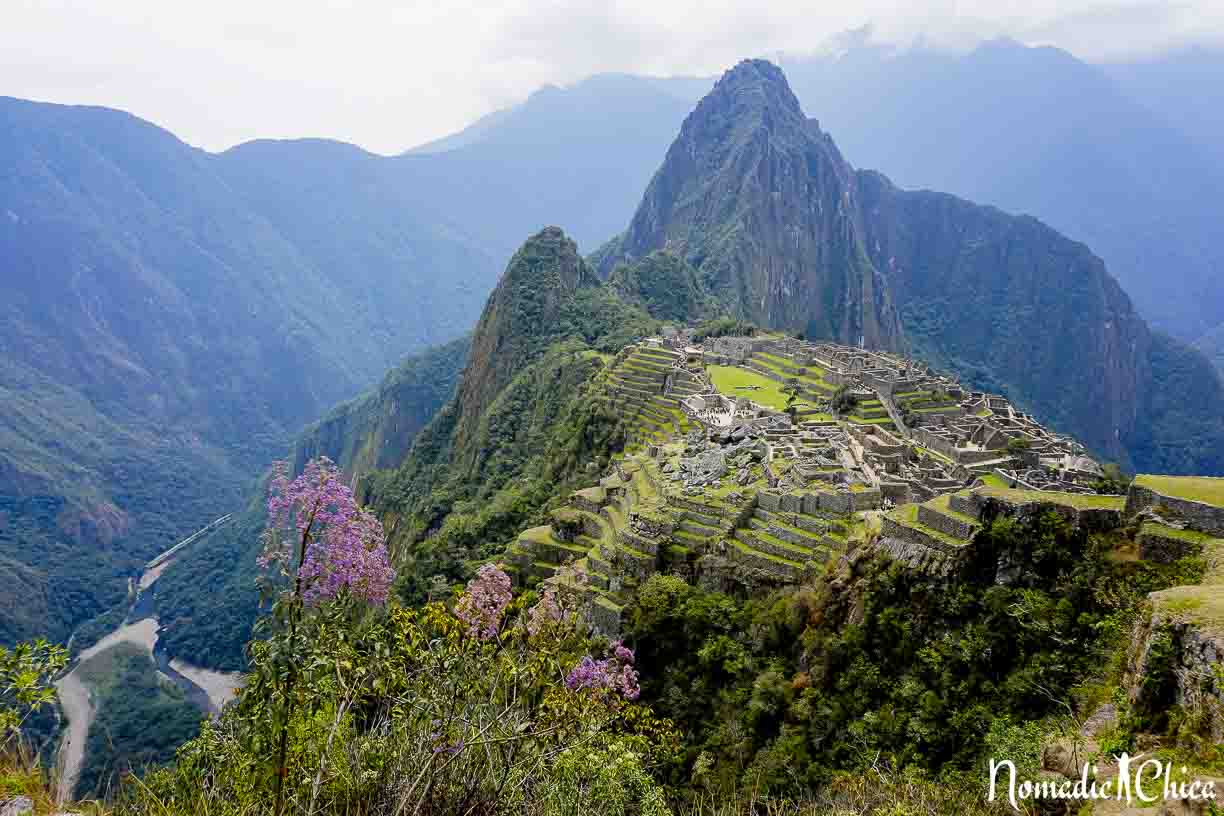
(782, 230)
(522, 420)
(761, 203)
(1013, 305)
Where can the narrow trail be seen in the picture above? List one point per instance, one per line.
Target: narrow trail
(75, 696)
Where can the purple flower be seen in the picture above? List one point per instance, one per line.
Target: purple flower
(615, 673)
(345, 546)
(482, 605)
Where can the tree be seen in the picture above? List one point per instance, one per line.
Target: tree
(1018, 444)
(844, 400)
(1113, 481)
(26, 671)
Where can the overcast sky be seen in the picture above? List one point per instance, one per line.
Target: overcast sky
(389, 74)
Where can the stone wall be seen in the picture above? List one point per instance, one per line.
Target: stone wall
(1088, 518)
(1195, 660)
(964, 505)
(1196, 515)
(896, 492)
(764, 564)
(945, 524)
(604, 619)
(650, 546)
(890, 528)
(916, 556)
(934, 442)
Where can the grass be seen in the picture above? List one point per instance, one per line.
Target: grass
(786, 370)
(744, 548)
(992, 480)
(1191, 536)
(538, 535)
(858, 420)
(1205, 489)
(736, 382)
(1076, 500)
(799, 550)
(1202, 605)
(814, 538)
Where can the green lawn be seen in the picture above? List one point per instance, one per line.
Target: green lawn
(1079, 501)
(1195, 488)
(729, 379)
(1191, 536)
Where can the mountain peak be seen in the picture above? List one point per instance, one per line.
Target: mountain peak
(523, 314)
(753, 90)
(759, 76)
(761, 204)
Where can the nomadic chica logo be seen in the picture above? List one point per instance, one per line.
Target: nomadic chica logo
(1143, 783)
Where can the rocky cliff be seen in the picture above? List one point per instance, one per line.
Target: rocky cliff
(1014, 306)
(782, 230)
(762, 204)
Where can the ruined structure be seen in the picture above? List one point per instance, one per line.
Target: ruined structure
(754, 460)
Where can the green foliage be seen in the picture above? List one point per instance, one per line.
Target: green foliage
(26, 673)
(141, 719)
(1174, 434)
(1113, 481)
(887, 663)
(1018, 444)
(207, 601)
(86, 500)
(666, 286)
(407, 708)
(523, 428)
(724, 327)
(532, 446)
(844, 400)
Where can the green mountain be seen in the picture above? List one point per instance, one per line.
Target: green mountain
(784, 232)
(458, 445)
(522, 421)
(170, 319)
(757, 199)
(664, 285)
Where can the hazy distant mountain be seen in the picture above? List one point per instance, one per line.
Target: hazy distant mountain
(785, 232)
(578, 156)
(1184, 88)
(1212, 344)
(1127, 167)
(1034, 130)
(170, 318)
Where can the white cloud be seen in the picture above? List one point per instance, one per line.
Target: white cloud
(388, 74)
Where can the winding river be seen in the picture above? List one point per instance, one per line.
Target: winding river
(208, 690)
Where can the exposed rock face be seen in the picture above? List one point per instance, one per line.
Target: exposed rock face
(980, 289)
(1178, 661)
(783, 231)
(759, 200)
